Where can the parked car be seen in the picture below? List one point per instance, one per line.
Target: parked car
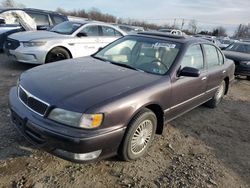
(43, 20)
(114, 101)
(239, 52)
(66, 40)
(130, 29)
(172, 31)
(225, 43)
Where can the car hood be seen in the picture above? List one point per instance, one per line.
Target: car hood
(37, 35)
(79, 84)
(237, 56)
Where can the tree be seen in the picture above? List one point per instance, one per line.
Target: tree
(219, 31)
(193, 26)
(243, 31)
(11, 4)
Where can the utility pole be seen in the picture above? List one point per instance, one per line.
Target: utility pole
(182, 24)
(174, 22)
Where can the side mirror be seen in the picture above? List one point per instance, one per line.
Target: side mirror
(2, 21)
(99, 49)
(42, 27)
(81, 35)
(189, 72)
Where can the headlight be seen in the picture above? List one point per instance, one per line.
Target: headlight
(34, 43)
(87, 121)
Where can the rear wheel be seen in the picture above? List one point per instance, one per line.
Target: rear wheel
(217, 96)
(139, 135)
(57, 54)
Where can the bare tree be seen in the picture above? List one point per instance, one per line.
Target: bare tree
(243, 31)
(11, 4)
(193, 26)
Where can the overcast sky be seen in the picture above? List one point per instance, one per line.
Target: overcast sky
(208, 13)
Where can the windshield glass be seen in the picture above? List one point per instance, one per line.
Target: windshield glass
(239, 47)
(66, 28)
(141, 53)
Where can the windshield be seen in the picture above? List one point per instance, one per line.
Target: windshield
(66, 28)
(239, 47)
(141, 53)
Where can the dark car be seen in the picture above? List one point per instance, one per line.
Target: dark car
(239, 52)
(114, 101)
(43, 19)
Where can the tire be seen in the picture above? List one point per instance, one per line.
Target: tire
(248, 77)
(218, 96)
(57, 54)
(140, 134)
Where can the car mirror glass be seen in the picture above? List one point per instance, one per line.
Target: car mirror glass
(82, 34)
(2, 21)
(189, 72)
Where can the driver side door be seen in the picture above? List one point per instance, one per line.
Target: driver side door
(87, 45)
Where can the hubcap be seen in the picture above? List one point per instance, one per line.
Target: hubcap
(141, 136)
(220, 92)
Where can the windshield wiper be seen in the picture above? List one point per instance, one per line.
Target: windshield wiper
(118, 64)
(126, 66)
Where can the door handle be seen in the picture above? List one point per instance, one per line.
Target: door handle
(223, 72)
(204, 78)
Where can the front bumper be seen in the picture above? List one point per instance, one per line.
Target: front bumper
(242, 69)
(61, 140)
(22, 55)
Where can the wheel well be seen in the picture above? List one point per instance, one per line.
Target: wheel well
(63, 48)
(159, 115)
(227, 84)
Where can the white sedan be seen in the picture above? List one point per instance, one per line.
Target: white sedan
(69, 39)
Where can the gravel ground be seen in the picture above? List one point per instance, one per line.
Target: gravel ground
(203, 148)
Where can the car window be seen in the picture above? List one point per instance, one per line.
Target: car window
(193, 58)
(109, 31)
(211, 55)
(10, 18)
(221, 59)
(40, 19)
(58, 19)
(91, 30)
(239, 47)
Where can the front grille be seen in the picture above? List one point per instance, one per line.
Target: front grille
(11, 44)
(32, 102)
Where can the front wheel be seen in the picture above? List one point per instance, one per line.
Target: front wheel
(212, 103)
(57, 54)
(139, 135)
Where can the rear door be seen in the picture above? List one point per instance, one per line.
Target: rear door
(108, 35)
(189, 92)
(214, 64)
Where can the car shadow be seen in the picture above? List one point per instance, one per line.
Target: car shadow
(13, 65)
(227, 133)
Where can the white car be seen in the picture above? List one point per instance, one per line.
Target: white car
(69, 39)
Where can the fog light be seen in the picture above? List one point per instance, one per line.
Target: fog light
(79, 156)
(87, 156)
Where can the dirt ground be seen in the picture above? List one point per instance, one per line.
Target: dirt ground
(204, 148)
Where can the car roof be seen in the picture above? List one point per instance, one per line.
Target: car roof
(31, 9)
(171, 37)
